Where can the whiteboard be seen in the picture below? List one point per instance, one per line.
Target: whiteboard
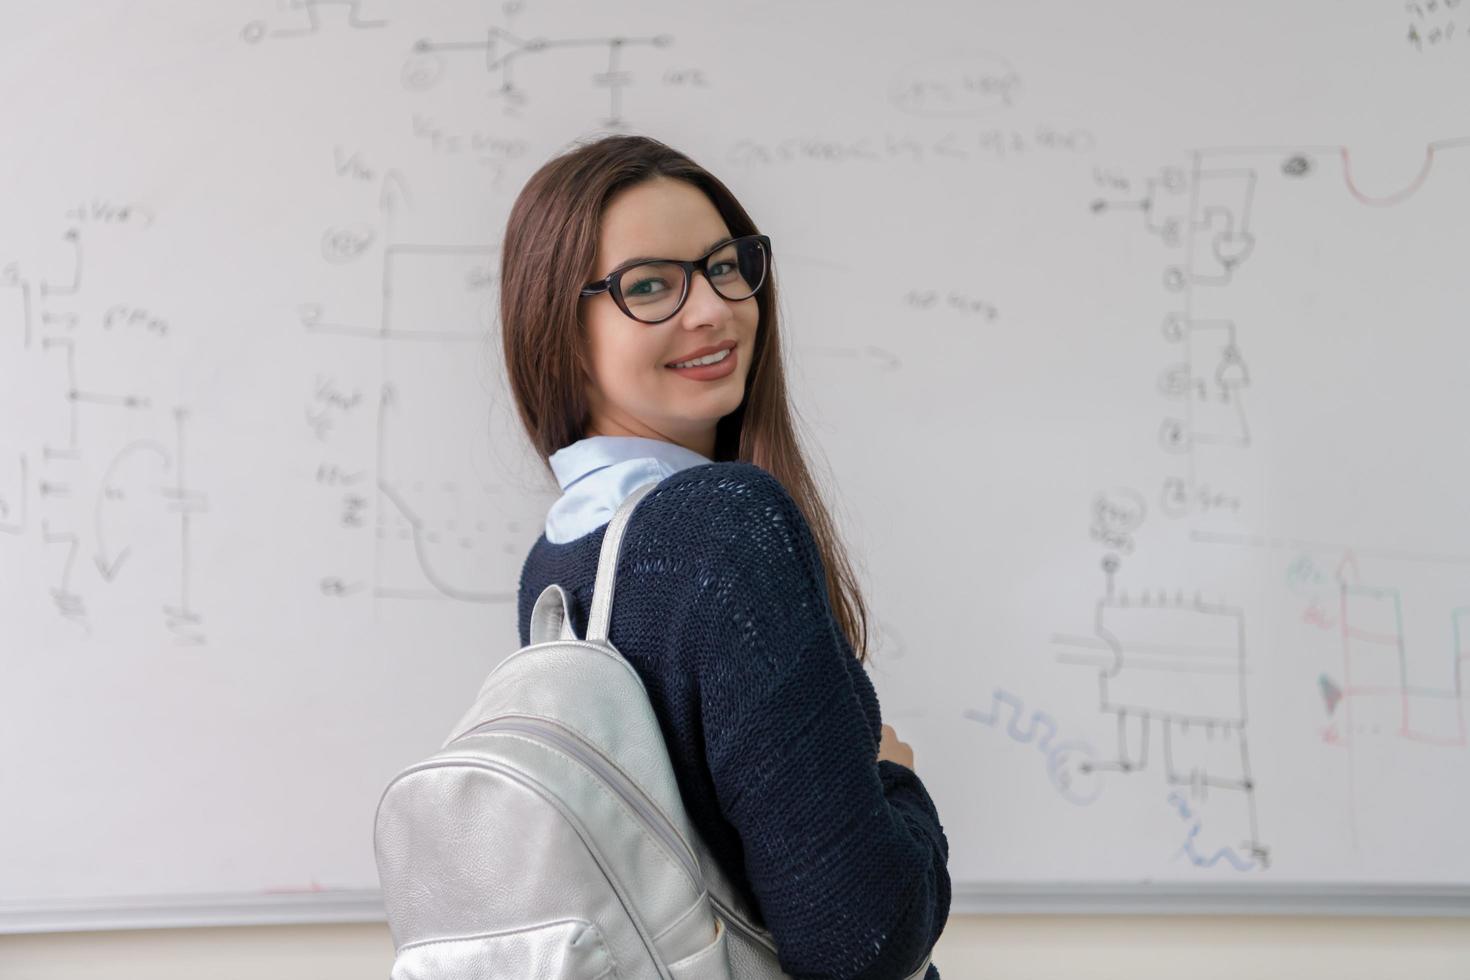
(1131, 339)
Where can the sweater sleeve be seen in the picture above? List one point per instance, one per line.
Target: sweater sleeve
(844, 853)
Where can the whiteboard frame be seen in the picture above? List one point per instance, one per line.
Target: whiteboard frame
(1002, 898)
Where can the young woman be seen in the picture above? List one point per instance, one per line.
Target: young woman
(638, 310)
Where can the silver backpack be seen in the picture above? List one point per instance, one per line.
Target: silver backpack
(547, 838)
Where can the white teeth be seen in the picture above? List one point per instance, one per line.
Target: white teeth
(709, 359)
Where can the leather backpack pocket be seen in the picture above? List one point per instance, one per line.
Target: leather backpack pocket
(568, 949)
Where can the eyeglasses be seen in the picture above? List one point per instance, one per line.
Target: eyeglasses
(653, 291)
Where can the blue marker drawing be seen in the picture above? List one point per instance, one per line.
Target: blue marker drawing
(999, 697)
(1225, 854)
(1068, 764)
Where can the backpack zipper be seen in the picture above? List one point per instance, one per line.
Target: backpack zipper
(629, 791)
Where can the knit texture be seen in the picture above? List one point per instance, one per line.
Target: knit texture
(771, 723)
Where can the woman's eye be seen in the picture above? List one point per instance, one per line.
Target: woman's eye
(638, 289)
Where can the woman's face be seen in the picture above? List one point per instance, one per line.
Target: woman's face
(633, 392)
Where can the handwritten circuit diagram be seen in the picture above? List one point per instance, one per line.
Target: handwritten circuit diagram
(1384, 619)
(95, 493)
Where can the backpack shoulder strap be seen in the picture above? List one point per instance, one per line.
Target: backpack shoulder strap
(551, 617)
(607, 565)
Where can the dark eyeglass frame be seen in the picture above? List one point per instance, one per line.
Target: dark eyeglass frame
(613, 281)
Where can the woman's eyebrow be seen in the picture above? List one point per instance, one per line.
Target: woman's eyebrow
(660, 258)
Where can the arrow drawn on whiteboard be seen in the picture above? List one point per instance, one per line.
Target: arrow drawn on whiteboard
(108, 567)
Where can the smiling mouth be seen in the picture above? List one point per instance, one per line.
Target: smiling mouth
(728, 352)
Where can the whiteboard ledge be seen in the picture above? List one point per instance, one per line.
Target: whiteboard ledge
(189, 911)
(1003, 898)
(1225, 898)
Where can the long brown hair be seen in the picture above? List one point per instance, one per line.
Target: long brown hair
(548, 253)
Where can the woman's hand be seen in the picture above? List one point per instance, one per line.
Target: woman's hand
(895, 751)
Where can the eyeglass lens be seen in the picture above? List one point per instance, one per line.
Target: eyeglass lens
(652, 290)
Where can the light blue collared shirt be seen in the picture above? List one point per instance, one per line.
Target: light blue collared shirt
(598, 472)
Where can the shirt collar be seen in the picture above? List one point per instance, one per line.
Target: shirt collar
(571, 463)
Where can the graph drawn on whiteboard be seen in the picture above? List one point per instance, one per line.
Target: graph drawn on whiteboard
(444, 523)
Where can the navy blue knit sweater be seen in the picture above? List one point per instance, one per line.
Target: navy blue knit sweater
(772, 725)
